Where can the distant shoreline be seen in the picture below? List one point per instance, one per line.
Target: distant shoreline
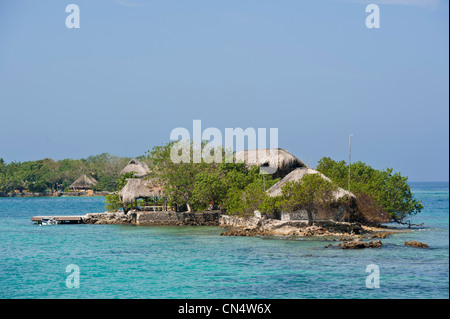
(58, 195)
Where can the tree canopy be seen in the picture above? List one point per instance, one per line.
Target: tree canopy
(199, 185)
(49, 175)
(311, 193)
(389, 189)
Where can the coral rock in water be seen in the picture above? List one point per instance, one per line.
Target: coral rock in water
(415, 243)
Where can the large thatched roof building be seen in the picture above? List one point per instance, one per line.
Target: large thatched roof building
(297, 175)
(137, 167)
(139, 188)
(275, 161)
(84, 182)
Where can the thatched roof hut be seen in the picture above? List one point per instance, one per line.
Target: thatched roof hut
(83, 182)
(275, 161)
(140, 169)
(139, 188)
(297, 175)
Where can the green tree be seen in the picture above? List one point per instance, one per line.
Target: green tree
(209, 187)
(253, 196)
(247, 191)
(3, 180)
(311, 193)
(390, 190)
(13, 177)
(112, 201)
(51, 175)
(37, 187)
(199, 184)
(271, 205)
(33, 175)
(178, 177)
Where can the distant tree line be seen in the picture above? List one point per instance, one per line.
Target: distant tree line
(50, 175)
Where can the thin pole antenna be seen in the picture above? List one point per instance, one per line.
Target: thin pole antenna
(349, 160)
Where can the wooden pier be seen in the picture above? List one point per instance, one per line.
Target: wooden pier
(59, 219)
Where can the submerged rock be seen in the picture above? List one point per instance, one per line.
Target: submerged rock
(380, 235)
(359, 244)
(415, 243)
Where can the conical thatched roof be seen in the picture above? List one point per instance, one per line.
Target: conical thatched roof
(140, 169)
(275, 161)
(297, 175)
(83, 182)
(139, 188)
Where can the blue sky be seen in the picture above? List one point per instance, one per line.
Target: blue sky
(137, 69)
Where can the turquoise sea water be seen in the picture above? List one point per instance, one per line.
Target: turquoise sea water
(196, 262)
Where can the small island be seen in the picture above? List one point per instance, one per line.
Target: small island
(267, 192)
(246, 200)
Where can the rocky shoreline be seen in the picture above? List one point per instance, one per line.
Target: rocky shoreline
(166, 218)
(350, 235)
(107, 218)
(253, 226)
(244, 226)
